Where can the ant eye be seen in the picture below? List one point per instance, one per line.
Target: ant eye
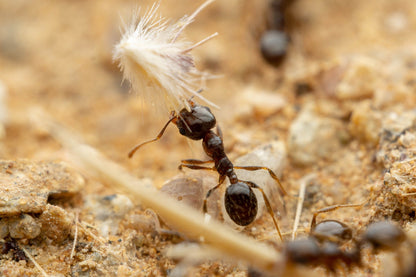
(182, 131)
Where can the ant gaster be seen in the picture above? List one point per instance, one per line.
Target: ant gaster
(240, 200)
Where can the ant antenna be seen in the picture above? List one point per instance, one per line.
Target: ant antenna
(333, 208)
(137, 147)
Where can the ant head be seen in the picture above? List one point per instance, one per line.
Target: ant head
(241, 203)
(196, 123)
(332, 230)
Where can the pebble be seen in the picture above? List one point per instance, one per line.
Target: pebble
(360, 78)
(108, 210)
(147, 222)
(56, 223)
(26, 186)
(258, 102)
(313, 137)
(190, 188)
(24, 226)
(396, 22)
(186, 189)
(365, 123)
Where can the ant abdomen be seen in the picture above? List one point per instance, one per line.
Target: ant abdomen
(241, 203)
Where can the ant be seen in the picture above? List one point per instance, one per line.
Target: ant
(383, 235)
(240, 200)
(322, 247)
(274, 41)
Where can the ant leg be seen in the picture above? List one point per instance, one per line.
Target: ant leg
(268, 206)
(272, 174)
(333, 208)
(192, 162)
(196, 167)
(135, 148)
(220, 181)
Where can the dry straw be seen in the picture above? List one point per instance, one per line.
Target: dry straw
(157, 61)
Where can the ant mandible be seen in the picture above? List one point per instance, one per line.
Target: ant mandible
(240, 200)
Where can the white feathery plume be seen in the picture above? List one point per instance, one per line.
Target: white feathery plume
(157, 62)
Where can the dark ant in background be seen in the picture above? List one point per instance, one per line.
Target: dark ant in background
(383, 235)
(240, 200)
(323, 246)
(275, 40)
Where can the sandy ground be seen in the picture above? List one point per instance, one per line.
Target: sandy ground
(342, 105)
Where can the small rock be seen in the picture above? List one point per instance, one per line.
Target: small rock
(145, 223)
(56, 223)
(396, 22)
(24, 226)
(360, 79)
(186, 189)
(365, 123)
(124, 270)
(192, 188)
(313, 137)
(109, 211)
(88, 265)
(26, 187)
(257, 102)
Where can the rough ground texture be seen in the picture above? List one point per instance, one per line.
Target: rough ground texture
(342, 103)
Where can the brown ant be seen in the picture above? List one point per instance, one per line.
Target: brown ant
(240, 200)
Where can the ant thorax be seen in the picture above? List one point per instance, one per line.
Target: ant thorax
(196, 123)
